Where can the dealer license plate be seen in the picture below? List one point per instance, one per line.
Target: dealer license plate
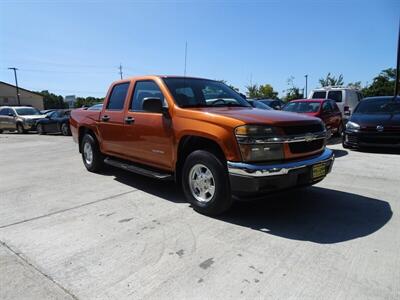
(318, 171)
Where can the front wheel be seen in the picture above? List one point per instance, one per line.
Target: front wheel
(92, 158)
(65, 129)
(40, 129)
(20, 128)
(205, 183)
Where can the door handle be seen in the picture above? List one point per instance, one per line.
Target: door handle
(105, 118)
(129, 120)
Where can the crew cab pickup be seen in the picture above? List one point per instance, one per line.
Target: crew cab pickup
(203, 135)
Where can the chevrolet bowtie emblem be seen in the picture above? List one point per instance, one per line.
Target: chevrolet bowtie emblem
(309, 137)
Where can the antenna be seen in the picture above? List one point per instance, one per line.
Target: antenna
(184, 72)
(120, 70)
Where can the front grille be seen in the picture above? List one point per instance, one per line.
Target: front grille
(390, 140)
(303, 129)
(352, 139)
(302, 147)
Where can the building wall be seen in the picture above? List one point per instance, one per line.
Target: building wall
(8, 97)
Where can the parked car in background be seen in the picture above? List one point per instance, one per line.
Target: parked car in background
(325, 109)
(19, 118)
(258, 104)
(273, 103)
(374, 123)
(345, 98)
(56, 121)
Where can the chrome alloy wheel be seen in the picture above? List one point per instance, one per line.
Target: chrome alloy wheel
(201, 183)
(88, 153)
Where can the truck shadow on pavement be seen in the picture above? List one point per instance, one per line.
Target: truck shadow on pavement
(315, 214)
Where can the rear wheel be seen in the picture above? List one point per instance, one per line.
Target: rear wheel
(40, 129)
(92, 158)
(1, 131)
(20, 128)
(205, 183)
(65, 129)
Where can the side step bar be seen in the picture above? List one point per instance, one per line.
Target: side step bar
(131, 167)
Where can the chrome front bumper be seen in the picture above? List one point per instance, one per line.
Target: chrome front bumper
(258, 170)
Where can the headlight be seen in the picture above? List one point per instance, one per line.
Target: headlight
(352, 126)
(259, 143)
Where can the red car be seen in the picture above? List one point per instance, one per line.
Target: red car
(325, 109)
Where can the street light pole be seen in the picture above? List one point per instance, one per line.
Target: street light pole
(306, 76)
(16, 83)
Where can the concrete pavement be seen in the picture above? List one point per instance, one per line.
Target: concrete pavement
(69, 234)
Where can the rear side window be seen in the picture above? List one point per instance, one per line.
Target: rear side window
(327, 107)
(145, 89)
(117, 97)
(335, 95)
(319, 95)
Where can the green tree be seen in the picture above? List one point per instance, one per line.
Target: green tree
(354, 85)
(292, 92)
(52, 100)
(88, 101)
(382, 85)
(261, 91)
(252, 91)
(331, 80)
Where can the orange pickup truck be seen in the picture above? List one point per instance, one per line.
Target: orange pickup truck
(203, 135)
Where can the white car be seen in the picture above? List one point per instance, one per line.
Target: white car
(345, 98)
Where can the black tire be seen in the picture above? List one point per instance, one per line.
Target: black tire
(221, 199)
(65, 129)
(96, 163)
(40, 129)
(20, 128)
(339, 132)
(1, 130)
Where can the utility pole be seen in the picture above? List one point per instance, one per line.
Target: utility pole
(184, 71)
(16, 82)
(306, 76)
(396, 85)
(120, 70)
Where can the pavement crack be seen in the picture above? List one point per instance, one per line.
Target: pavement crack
(27, 262)
(67, 209)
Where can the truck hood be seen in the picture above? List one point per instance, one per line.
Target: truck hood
(250, 115)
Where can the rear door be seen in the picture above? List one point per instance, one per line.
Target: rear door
(337, 96)
(148, 136)
(111, 123)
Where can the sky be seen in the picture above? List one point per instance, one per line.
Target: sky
(75, 47)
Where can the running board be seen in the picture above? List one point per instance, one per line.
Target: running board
(131, 167)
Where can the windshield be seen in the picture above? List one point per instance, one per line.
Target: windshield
(302, 107)
(259, 104)
(191, 92)
(378, 106)
(27, 111)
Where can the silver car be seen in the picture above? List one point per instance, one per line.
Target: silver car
(19, 118)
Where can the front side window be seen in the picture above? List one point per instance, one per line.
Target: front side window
(335, 95)
(192, 92)
(117, 97)
(4, 112)
(143, 90)
(326, 107)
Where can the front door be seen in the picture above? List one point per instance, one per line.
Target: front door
(111, 121)
(327, 116)
(148, 136)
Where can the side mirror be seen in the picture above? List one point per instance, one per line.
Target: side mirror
(11, 115)
(153, 104)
